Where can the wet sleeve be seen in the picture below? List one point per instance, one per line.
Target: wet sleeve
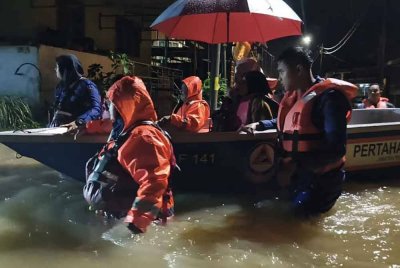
(94, 99)
(194, 119)
(334, 108)
(147, 158)
(267, 124)
(57, 96)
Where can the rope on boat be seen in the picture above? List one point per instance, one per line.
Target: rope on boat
(21, 130)
(32, 131)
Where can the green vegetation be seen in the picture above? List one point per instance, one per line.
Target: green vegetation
(15, 113)
(121, 65)
(223, 86)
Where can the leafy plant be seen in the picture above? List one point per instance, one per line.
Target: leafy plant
(121, 65)
(15, 113)
(223, 87)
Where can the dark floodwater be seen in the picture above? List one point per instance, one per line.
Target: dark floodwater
(44, 222)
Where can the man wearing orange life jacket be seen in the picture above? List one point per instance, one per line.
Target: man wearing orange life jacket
(130, 176)
(375, 100)
(194, 113)
(311, 123)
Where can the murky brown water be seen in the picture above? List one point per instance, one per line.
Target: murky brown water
(44, 222)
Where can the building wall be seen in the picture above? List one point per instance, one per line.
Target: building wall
(29, 20)
(145, 48)
(21, 21)
(27, 83)
(26, 21)
(104, 38)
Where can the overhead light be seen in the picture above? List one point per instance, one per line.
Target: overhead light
(306, 40)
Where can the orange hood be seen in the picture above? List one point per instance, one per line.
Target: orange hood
(194, 84)
(132, 101)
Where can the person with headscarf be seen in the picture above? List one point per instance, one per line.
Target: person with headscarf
(234, 112)
(256, 101)
(225, 119)
(130, 176)
(77, 99)
(194, 113)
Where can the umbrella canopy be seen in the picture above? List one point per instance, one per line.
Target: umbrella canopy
(226, 21)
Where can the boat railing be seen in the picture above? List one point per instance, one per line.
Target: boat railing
(375, 116)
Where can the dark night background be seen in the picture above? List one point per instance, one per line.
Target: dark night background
(371, 55)
(328, 22)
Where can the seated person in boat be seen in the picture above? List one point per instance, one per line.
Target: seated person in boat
(194, 112)
(77, 99)
(237, 109)
(311, 123)
(375, 99)
(130, 176)
(256, 101)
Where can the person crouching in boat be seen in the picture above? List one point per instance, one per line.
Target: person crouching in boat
(77, 99)
(194, 112)
(130, 176)
(311, 123)
(375, 100)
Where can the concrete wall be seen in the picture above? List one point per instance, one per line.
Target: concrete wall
(28, 82)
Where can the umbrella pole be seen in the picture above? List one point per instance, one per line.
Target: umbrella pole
(215, 58)
(224, 63)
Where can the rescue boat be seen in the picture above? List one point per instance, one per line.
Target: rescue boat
(224, 161)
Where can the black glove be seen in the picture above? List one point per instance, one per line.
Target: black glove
(134, 229)
(94, 192)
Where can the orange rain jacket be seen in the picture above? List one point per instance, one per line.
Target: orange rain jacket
(147, 154)
(194, 113)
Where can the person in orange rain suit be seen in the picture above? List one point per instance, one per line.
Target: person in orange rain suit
(130, 175)
(194, 113)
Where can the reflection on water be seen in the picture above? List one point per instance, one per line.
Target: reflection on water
(44, 222)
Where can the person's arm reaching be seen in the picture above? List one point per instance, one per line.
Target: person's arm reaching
(195, 117)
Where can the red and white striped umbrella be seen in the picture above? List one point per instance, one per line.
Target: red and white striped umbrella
(226, 21)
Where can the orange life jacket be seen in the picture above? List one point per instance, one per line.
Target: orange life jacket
(297, 132)
(381, 104)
